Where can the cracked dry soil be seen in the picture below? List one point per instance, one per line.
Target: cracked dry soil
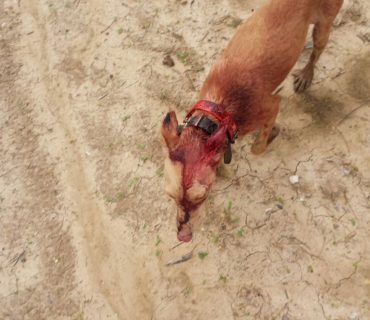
(86, 230)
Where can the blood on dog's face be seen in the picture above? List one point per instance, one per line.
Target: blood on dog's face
(189, 187)
(190, 169)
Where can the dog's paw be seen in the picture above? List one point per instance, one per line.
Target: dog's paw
(258, 148)
(303, 79)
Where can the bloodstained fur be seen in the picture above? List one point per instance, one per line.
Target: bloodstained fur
(257, 59)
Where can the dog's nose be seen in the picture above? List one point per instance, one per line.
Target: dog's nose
(184, 232)
(184, 237)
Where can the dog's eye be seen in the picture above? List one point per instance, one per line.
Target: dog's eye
(170, 193)
(197, 193)
(198, 200)
(173, 192)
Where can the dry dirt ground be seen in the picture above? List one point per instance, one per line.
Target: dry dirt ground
(86, 230)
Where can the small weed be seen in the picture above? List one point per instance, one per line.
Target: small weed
(183, 56)
(120, 30)
(335, 305)
(353, 221)
(141, 146)
(216, 238)
(235, 220)
(310, 269)
(144, 159)
(159, 173)
(125, 118)
(227, 210)
(158, 252)
(158, 241)
(241, 232)
(108, 200)
(222, 278)
(187, 291)
(79, 316)
(134, 182)
(280, 200)
(229, 217)
(202, 255)
(120, 196)
(229, 205)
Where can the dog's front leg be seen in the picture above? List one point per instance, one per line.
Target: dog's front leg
(269, 131)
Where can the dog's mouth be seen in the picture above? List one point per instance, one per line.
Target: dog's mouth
(184, 232)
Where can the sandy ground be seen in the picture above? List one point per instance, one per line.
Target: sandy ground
(86, 230)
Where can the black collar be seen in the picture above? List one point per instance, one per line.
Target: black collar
(202, 122)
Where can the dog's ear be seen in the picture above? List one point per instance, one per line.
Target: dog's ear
(169, 130)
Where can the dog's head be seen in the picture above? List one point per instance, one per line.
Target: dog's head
(190, 168)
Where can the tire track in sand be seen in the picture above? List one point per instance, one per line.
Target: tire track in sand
(76, 172)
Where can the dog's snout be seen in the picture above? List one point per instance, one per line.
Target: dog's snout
(184, 237)
(184, 232)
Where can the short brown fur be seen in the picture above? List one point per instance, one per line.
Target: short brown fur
(257, 59)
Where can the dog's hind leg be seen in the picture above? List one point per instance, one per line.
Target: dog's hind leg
(321, 32)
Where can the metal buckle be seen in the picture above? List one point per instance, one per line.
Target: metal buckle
(198, 121)
(232, 139)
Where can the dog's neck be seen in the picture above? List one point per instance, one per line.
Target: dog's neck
(233, 89)
(217, 112)
(211, 117)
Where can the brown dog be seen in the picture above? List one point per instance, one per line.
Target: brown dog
(237, 97)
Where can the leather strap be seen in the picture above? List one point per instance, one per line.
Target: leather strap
(203, 123)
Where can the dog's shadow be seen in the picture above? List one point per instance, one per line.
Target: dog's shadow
(324, 109)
